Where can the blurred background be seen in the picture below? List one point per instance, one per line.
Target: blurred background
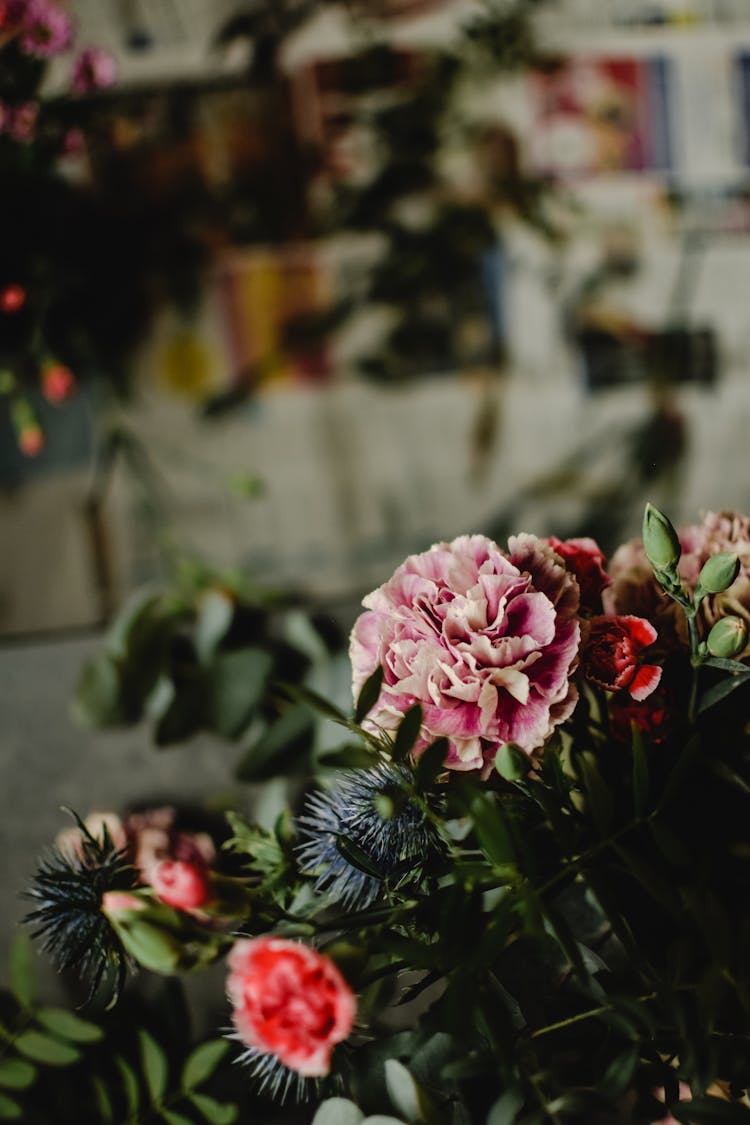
(290, 289)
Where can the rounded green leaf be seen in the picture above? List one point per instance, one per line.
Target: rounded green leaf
(129, 1084)
(96, 701)
(511, 762)
(103, 1101)
(173, 1118)
(44, 1049)
(21, 970)
(16, 1074)
(155, 1066)
(202, 1062)
(338, 1111)
(67, 1025)
(9, 1110)
(218, 1113)
(403, 1090)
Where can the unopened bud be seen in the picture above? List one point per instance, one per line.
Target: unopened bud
(727, 638)
(719, 572)
(660, 540)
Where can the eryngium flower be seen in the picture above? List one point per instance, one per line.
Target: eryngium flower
(68, 888)
(372, 810)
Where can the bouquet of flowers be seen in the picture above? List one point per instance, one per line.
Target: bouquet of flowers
(517, 891)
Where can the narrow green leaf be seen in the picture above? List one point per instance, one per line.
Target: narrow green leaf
(96, 702)
(711, 1111)
(215, 613)
(9, 1110)
(155, 1065)
(505, 1109)
(338, 1111)
(598, 796)
(720, 691)
(299, 694)
(492, 832)
(202, 1062)
(103, 1101)
(368, 696)
(407, 732)
(350, 756)
(683, 767)
(69, 1026)
(130, 1085)
(16, 1074)
(431, 762)
(44, 1049)
(22, 970)
(218, 1113)
(736, 667)
(641, 782)
(357, 857)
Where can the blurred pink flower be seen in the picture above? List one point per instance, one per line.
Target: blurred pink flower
(58, 383)
(584, 558)
(94, 69)
(486, 641)
(47, 29)
(181, 884)
(686, 1095)
(22, 122)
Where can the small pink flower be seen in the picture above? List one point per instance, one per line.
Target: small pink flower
(74, 143)
(12, 13)
(22, 123)
(58, 382)
(612, 655)
(485, 641)
(289, 1001)
(585, 560)
(181, 884)
(31, 441)
(686, 1095)
(12, 298)
(47, 29)
(94, 69)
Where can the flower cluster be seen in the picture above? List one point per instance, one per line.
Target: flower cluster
(508, 840)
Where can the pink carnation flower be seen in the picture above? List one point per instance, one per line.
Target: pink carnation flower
(94, 69)
(486, 641)
(47, 29)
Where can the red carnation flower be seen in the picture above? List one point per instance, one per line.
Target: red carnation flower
(612, 655)
(181, 884)
(584, 559)
(289, 1001)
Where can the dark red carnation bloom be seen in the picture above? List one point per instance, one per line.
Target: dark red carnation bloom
(584, 559)
(612, 655)
(289, 1001)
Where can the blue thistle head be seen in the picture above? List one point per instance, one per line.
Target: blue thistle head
(365, 830)
(67, 889)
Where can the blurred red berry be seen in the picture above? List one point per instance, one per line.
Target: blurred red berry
(31, 441)
(58, 382)
(12, 298)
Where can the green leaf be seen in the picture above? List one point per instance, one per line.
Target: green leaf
(22, 970)
(16, 1074)
(403, 1090)
(185, 713)
(96, 702)
(711, 1111)
(155, 1065)
(618, 1075)
(368, 696)
(125, 629)
(720, 691)
(237, 681)
(215, 613)
(734, 666)
(357, 857)
(44, 1049)
(492, 832)
(103, 1101)
(67, 1025)
(683, 767)
(218, 1113)
(511, 762)
(9, 1110)
(598, 796)
(338, 1111)
(129, 1084)
(202, 1062)
(641, 784)
(173, 1118)
(282, 748)
(431, 762)
(299, 694)
(506, 1108)
(347, 757)
(408, 730)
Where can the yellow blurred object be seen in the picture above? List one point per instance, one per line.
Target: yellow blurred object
(184, 364)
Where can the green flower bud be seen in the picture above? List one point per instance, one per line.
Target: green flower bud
(660, 540)
(727, 638)
(719, 572)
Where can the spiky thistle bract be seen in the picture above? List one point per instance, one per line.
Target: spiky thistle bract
(68, 921)
(366, 829)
